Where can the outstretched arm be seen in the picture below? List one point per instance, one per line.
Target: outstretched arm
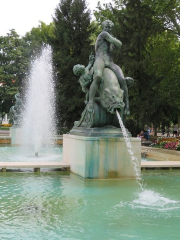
(91, 62)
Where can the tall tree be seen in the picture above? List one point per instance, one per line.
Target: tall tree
(71, 46)
(13, 66)
(134, 25)
(142, 26)
(16, 54)
(37, 38)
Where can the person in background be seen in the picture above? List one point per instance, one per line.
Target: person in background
(175, 131)
(146, 135)
(168, 132)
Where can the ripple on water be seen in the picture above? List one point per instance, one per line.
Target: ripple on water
(151, 201)
(56, 205)
(20, 154)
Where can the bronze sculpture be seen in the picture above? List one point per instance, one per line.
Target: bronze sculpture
(104, 83)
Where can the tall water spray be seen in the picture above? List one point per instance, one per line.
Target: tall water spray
(39, 116)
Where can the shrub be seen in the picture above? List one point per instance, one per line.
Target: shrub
(167, 139)
(178, 146)
(171, 145)
(155, 145)
(162, 144)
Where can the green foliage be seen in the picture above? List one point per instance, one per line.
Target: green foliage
(162, 144)
(149, 31)
(16, 55)
(13, 65)
(149, 54)
(71, 45)
(165, 66)
(4, 128)
(178, 146)
(167, 12)
(37, 38)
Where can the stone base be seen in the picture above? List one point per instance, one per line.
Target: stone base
(16, 135)
(106, 131)
(100, 157)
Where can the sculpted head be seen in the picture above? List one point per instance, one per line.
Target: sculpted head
(112, 99)
(107, 25)
(78, 69)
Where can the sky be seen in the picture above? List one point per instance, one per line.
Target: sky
(23, 15)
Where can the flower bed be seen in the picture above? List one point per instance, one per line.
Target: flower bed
(171, 143)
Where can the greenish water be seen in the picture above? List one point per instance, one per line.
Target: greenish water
(10, 153)
(146, 159)
(60, 205)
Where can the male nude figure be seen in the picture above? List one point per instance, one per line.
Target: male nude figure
(104, 47)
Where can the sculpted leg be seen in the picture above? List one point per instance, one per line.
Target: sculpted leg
(98, 70)
(119, 74)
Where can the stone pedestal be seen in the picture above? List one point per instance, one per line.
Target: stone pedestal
(16, 135)
(100, 157)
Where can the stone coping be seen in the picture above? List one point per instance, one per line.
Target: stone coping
(160, 164)
(34, 165)
(165, 151)
(101, 138)
(7, 139)
(161, 154)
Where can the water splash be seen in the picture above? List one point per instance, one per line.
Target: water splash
(130, 151)
(146, 198)
(151, 200)
(39, 116)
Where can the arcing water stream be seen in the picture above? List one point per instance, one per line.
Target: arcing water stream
(146, 198)
(130, 150)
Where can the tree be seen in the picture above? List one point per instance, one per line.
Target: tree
(146, 29)
(16, 55)
(167, 13)
(13, 65)
(134, 25)
(37, 38)
(165, 66)
(71, 46)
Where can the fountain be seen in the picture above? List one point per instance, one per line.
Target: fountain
(59, 205)
(39, 116)
(95, 147)
(34, 123)
(5, 120)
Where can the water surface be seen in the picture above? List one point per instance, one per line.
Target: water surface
(10, 153)
(60, 205)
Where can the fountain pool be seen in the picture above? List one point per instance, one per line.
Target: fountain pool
(11, 153)
(59, 205)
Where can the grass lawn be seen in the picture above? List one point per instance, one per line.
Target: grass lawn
(4, 128)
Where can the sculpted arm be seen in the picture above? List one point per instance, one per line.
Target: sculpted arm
(91, 62)
(112, 40)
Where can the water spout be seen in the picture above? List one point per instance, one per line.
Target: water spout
(130, 150)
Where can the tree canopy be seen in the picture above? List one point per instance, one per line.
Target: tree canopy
(150, 35)
(16, 54)
(71, 45)
(150, 54)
